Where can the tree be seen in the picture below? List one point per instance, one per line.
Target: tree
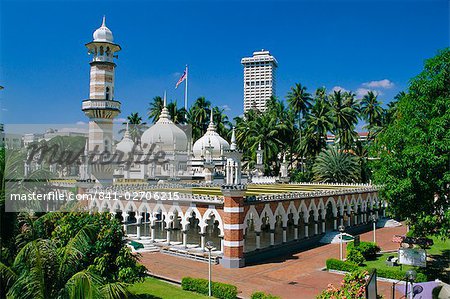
(155, 108)
(319, 122)
(198, 117)
(344, 112)
(61, 254)
(221, 121)
(300, 101)
(371, 111)
(136, 126)
(336, 166)
(177, 115)
(271, 129)
(43, 269)
(414, 164)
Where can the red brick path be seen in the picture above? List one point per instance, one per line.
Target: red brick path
(295, 276)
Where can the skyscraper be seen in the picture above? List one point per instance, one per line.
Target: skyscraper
(259, 79)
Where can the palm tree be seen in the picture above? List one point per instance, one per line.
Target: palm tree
(221, 121)
(41, 269)
(198, 117)
(318, 123)
(178, 115)
(300, 102)
(336, 166)
(155, 108)
(371, 111)
(269, 129)
(136, 126)
(345, 117)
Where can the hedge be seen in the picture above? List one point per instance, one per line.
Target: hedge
(368, 249)
(335, 264)
(398, 274)
(218, 289)
(262, 295)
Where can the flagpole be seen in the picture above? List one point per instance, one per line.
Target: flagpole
(186, 90)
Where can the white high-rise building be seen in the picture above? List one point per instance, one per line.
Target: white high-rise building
(259, 79)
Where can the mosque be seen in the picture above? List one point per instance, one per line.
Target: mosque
(248, 217)
(204, 160)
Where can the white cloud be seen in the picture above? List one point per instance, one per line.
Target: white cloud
(385, 83)
(80, 123)
(360, 92)
(226, 108)
(339, 88)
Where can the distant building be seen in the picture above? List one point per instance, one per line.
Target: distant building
(362, 136)
(259, 79)
(12, 141)
(51, 133)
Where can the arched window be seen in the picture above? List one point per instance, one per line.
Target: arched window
(108, 51)
(101, 50)
(107, 93)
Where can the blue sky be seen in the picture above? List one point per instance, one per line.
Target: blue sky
(347, 44)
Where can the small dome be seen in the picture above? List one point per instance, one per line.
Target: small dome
(126, 144)
(166, 133)
(103, 34)
(210, 139)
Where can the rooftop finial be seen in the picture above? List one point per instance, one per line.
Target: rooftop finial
(233, 140)
(127, 132)
(104, 21)
(211, 116)
(165, 99)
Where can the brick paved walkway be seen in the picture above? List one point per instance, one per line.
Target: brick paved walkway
(294, 276)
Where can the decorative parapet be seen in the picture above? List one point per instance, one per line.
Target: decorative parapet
(312, 194)
(233, 190)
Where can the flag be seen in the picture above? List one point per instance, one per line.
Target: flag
(182, 78)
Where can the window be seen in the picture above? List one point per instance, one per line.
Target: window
(107, 93)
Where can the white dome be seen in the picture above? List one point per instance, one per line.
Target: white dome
(210, 139)
(126, 144)
(103, 34)
(164, 131)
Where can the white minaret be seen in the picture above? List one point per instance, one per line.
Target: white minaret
(101, 107)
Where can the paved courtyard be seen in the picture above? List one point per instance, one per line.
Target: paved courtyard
(292, 276)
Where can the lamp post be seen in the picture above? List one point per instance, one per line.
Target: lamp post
(341, 230)
(374, 221)
(410, 277)
(209, 245)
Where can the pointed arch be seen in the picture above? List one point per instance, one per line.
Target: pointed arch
(207, 216)
(256, 218)
(267, 211)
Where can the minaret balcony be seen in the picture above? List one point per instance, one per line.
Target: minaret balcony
(100, 105)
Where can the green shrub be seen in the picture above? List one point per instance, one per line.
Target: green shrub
(352, 286)
(218, 289)
(355, 256)
(335, 264)
(398, 274)
(368, 249)
(262, 295)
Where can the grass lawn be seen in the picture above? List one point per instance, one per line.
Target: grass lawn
(153, 288)
(380, 263)
(438, 267)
